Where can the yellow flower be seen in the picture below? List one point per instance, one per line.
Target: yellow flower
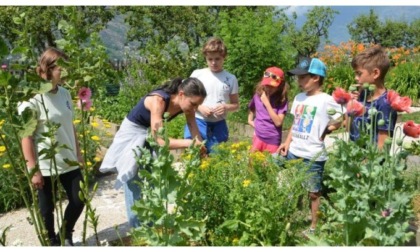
(76, 121)
(95, 124)
(97, 159)
(204, 164)
(89, 164)
(6, 166)
(107, 125)
(257, 156)
(2, 122)
(3, 136)
(235, 241)
(246, 183)
(187, 157)
(92, 109)
(2, 148)
(191, 175)
(95, 138)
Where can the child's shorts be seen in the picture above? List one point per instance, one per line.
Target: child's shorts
(314, 182)
(260, 145)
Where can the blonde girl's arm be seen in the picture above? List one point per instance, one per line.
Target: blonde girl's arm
(251, 118)
(156, 106)
(28, 149)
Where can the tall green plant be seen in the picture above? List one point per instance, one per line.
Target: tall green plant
(161, 189)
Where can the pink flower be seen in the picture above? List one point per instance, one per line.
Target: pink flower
(355, 108)
(411, 129)
(397, 102)
(84, 93)
(386, 212)
(391, 95)
(84, 104)
(341, 96)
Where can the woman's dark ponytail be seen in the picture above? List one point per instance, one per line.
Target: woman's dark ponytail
(191, 87)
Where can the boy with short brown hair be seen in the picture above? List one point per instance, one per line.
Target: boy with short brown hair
(371, 66)
(222, 95)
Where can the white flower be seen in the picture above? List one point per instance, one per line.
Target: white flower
(17, 243)
(104, 243)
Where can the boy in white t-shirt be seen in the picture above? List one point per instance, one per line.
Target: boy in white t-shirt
(311, 122)
(222, 95)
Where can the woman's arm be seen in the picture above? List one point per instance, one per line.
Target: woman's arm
(28, 149)
(156, 106)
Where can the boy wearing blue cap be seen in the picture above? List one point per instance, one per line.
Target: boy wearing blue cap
(311, 122)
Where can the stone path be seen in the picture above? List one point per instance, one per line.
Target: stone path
(110, 207)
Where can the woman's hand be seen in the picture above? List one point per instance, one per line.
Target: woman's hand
(37, 180)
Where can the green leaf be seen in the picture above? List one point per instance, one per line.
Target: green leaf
(28, 128)
(230, 224)
(3, 48)
(17, 20)
(71, 162)
(44, 87)
(87, 78)
(63, 25)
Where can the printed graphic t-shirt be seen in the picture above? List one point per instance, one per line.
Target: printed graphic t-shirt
(310, 121)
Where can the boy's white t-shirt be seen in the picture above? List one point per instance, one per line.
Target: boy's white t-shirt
(219, 86)
(60, 110)
(310, 121)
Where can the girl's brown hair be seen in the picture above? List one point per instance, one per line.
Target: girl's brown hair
(280, 95)
(47, 62)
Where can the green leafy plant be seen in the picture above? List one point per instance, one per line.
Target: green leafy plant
(162, 189)
(246, 198)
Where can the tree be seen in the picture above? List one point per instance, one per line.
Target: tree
(369, 29)
(255, 40)
(42, 22)
(161, 24)
(394, 34)
(365, 28)
(414, 31)
(315, 28)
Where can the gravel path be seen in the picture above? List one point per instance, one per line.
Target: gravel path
(110, 207)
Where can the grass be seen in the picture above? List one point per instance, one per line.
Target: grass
(411, 116)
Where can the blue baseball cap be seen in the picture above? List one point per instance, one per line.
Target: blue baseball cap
(309, 66)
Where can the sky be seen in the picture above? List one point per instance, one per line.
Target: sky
(338, 31)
